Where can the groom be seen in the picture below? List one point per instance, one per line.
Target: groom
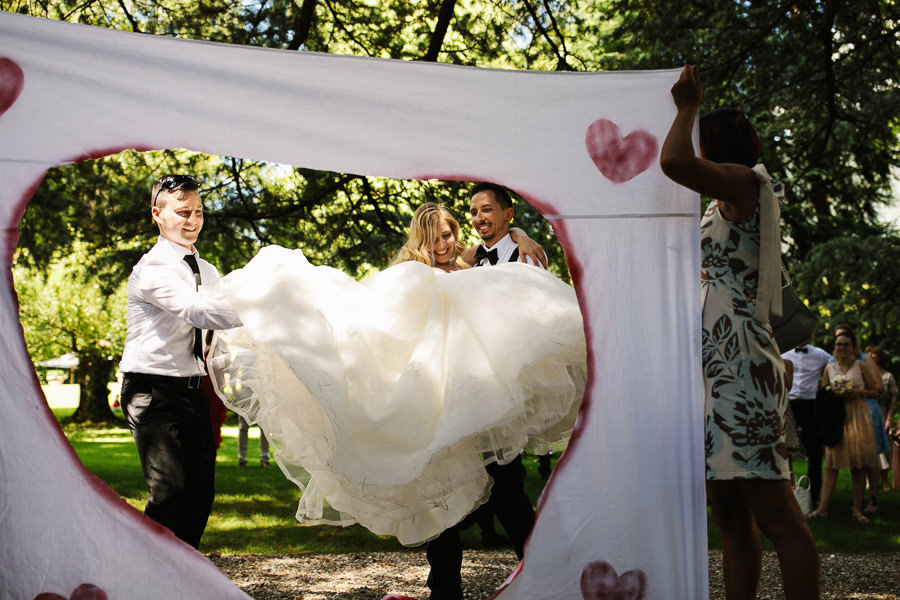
(490, 210)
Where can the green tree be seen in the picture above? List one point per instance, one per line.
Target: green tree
(820, 79)
(353, 223)
(855, 281)
(62, 309)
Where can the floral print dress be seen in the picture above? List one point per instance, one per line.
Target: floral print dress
(746, 395)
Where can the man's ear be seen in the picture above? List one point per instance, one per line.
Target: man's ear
(510, 213)
(154, 213)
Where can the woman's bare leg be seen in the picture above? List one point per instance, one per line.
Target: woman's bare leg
(859, 493)
(741, 549)
(829, 482)
(780, 519)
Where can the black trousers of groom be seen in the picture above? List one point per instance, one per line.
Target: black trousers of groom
(514, 511)
(169, 421)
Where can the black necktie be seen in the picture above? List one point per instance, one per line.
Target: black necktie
(191, 260)
(481, 253)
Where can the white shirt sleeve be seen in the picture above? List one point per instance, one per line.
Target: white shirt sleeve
(163, 286)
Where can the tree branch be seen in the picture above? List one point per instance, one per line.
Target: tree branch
(134, 25)
(302, 23)
(243, 200)
(561, 64)
(440, 30)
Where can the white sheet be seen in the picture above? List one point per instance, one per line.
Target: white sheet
(629, 492)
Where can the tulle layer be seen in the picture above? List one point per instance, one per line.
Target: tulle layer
(384, 399)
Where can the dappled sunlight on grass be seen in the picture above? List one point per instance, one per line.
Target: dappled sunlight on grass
(254, 507)
(231, 522)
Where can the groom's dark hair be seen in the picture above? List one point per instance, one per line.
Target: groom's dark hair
(500, 193)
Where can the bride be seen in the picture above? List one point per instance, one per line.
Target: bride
(384, 399)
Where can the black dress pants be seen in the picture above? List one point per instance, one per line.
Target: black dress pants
(808, 416)
(169, 420)
(515, 513)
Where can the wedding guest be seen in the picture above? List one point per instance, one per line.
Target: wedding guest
(746, 395)
(845, 328)
(887, 405)
(867, 365)
(243, 442)
(809, 362)
(856, 450)
(163, 362)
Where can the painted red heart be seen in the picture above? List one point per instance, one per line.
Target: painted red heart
(12, 79)
(85, 591)
(619, 158)
(88, 591)
(599, 581)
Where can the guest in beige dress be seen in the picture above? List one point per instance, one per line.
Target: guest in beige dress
(857, 450)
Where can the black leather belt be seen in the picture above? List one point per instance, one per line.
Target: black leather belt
(191, 383)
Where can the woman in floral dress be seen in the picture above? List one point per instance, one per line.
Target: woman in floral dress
(748, 481)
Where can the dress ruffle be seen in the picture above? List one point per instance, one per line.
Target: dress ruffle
(384, 399)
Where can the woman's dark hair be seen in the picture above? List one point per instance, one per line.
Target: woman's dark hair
(726, 136)
(847, 334)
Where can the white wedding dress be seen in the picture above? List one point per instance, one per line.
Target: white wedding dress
(381, 397)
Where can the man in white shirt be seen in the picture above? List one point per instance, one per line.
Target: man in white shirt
(171, 299)
(490, 210)
(809, 362)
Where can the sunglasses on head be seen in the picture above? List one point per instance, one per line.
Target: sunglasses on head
(170, 183)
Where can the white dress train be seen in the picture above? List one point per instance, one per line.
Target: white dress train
(384, 399)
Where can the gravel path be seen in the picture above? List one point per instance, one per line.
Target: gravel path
(370, 576)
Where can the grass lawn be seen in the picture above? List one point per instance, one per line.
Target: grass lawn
(254, 508)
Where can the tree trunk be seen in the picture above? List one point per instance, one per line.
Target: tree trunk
(94, 373)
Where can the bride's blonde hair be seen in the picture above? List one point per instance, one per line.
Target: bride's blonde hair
(424, 229)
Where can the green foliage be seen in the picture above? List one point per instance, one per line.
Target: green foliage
(64, 308)
(819, 79)
(855, 281)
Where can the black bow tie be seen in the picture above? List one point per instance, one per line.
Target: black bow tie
(483, 253)
(802, 349)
